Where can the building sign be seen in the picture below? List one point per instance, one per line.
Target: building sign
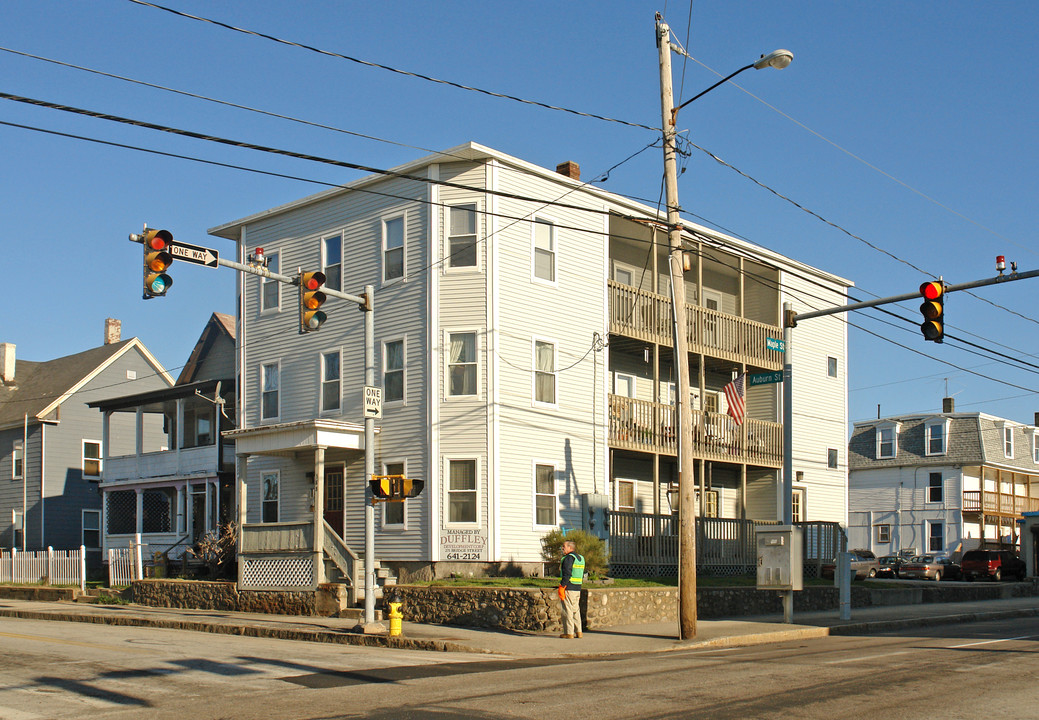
(463, 544)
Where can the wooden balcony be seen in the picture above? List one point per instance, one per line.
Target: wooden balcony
(999, 504)
(647, 316)
(646, 426)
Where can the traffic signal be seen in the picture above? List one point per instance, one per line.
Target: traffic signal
(310, 300)
(933, 310)
(395, 487)
(157, 259)
(382, 486)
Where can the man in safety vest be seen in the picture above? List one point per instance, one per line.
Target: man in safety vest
(571, 577)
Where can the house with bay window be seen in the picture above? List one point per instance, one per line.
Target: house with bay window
(523, 333)
(943, 482)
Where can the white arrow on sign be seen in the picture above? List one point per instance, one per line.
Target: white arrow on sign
(194, 254)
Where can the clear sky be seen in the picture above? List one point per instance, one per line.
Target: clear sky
(911, 126)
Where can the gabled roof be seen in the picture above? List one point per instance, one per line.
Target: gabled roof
(220, 324)
(40, 387)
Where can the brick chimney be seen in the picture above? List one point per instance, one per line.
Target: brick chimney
(113, 331)
(7, 363)
(948, 405)
(571, 169)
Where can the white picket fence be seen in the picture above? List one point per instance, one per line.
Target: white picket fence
(125, 564)
(50, 566)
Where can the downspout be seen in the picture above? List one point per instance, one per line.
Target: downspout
(25, 475)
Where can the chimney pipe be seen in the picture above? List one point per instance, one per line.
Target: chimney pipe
(569, 168)
(948, 405)
(113, 331)
(7, 363)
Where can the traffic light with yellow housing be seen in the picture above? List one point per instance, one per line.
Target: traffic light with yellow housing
(394, 488)
(157, 260)
(933, 310)
(311, 317)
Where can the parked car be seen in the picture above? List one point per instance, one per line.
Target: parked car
(890, 566)
(993, 564)
(931, 567)
(864, 562)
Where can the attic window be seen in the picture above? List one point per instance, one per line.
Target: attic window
(887, 441)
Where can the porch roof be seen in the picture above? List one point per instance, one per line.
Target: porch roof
(286, 439)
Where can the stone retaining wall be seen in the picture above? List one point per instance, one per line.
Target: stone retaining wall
(199, 595)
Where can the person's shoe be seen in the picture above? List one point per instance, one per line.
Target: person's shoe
(568, 636)
(577, 634)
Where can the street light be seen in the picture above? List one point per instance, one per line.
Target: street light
(687, 495)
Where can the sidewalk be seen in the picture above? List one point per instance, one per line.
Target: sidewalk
(657, 637)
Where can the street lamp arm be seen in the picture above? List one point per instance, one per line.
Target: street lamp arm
(777, 59)
(674, 112)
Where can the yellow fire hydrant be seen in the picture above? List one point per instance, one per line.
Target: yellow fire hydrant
(394, 602)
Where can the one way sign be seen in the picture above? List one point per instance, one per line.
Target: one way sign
(194, 254)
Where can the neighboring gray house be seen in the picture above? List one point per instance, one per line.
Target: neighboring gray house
(51, 449)
(168, 473)
(941, 482)
(523, 333)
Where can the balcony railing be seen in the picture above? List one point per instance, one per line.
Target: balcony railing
(163, 463)
(976, 501)
(647, 316)
(650, 427)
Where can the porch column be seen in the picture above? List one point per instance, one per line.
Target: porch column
(240, 477)
(104, 524)
(743, 491)
(139, 493)
(179, 527)
(138, 438)
(207, 522)
(189, 513)
(180, 430)
(319, 514)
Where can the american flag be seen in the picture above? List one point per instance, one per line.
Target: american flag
(734, 397)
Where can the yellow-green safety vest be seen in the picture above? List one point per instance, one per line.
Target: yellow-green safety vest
(577, 571)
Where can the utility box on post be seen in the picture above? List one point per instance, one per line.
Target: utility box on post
(780, 557)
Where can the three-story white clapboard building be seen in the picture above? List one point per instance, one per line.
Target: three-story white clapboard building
(523, 343)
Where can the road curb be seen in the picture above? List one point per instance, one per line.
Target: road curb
(873, 626)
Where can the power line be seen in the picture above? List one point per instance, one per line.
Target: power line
(380, 66)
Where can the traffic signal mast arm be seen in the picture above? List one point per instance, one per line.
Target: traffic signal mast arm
(792, 319)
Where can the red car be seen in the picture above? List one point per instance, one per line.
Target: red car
(992, 564)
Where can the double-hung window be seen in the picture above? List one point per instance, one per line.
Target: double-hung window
(461, 364)
(17, 461)
(332, 261)
(544, 251)
(883, 533)
(462, 491)
(91, 535)
(393, 513)
(270, 383)
(270, 289)
(1035, 448)
(1008, 441)
(92, 459)
(461, 236)
(831, 458)
(331, 390)
(935, 537)
(270, 482)
(544, 495)
(935, 437)
(393, 359)
(393, 248)
(935, 488)
(544, 372)
(887, 441)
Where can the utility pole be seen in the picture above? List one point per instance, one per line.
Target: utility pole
(686, 489)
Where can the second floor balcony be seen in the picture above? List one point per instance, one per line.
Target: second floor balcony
(646, 316)
(996, 503)
(646, 426)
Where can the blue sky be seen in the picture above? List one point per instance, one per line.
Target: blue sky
(908, 125)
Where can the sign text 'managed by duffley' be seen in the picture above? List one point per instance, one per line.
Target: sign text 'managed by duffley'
(463, 544)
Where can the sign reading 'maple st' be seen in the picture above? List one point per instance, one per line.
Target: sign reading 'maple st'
(775, 344)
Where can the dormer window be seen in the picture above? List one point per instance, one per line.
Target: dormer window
(1008, 441)
(936, 433)
(887, 441)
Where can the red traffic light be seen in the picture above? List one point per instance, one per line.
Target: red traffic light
(932, 290)
(156, 260)
(933, 311)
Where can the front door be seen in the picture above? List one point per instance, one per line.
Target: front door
(333, 500)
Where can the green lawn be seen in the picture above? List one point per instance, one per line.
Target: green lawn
(701, 581)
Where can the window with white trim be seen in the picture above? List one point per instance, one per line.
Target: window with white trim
(1035, 448)
(545, 498)
(883, 533)
(831, 458)
(935, 434)
(935, 536)
(92, 459)
(544, 372)
(270, 383)
(461, 236)
(394, 513)
(270, 486)
(90, 537)
(624, 501)
(270, 289)
(393, 370)
(887, 441)
(624, 384)
(17, 461)
(462, 366)
(1008, 441)
(462, 491)
(393, 248)
(331, 384)
(544, 255)
(935, 488)
(332, 261)
(797, 503)
(710, 504)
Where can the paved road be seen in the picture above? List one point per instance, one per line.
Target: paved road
(70, 670)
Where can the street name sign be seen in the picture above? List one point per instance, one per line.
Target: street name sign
(765, 378)
(194, 254)
(372, 401)
(774, 344)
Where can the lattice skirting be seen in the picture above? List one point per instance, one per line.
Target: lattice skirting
(259, 573)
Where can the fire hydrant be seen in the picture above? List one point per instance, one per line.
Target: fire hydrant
(394, 602)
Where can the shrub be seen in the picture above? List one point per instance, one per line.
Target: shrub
(592, 548)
